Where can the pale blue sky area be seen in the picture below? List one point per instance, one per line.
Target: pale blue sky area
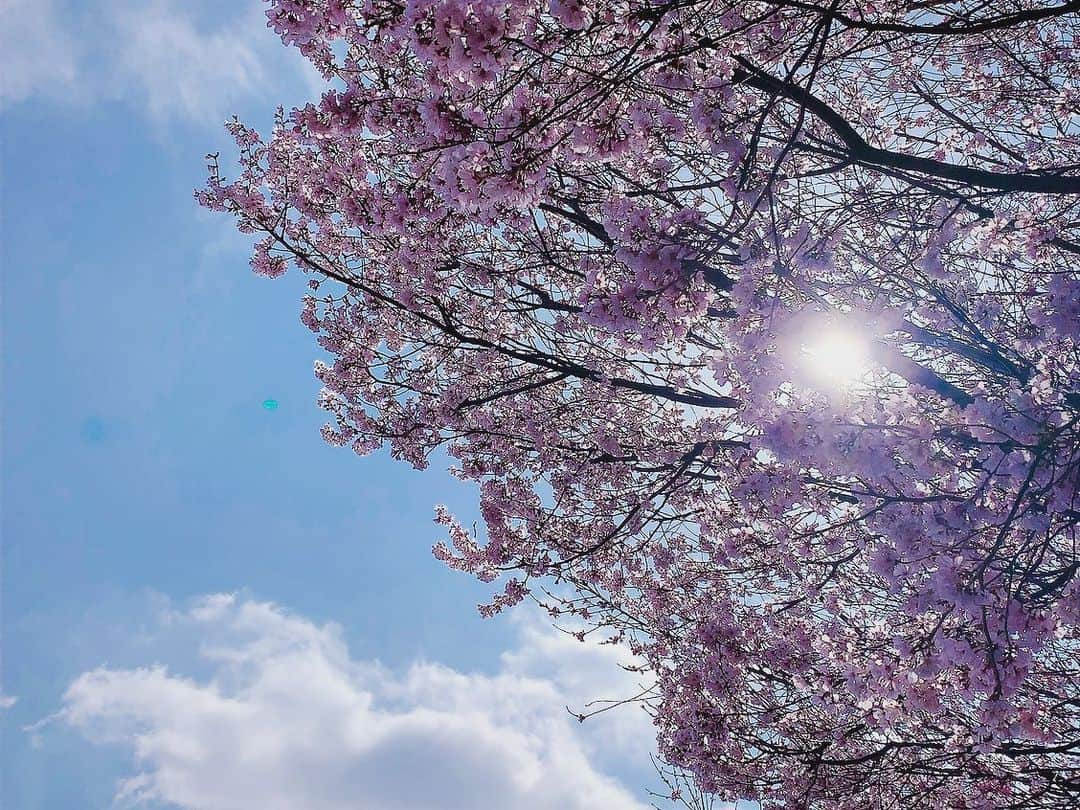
(139, 468)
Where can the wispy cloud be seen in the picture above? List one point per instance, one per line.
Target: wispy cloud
(172, 60)
(286, 718)
(36, 53)
(177, 70)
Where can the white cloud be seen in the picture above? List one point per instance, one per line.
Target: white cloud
(285, 718)
(7, 701)
(175, 70)
(172, 60)
(591, 677)
(36, 52)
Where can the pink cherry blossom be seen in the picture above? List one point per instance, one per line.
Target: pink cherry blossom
(588, 250)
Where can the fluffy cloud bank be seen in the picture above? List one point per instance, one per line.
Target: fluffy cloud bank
(285, 718)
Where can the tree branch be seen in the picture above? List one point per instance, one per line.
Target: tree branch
(862, 152)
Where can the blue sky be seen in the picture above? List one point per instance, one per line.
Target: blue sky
(143, 481)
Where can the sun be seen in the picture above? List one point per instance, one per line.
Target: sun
(836, 355)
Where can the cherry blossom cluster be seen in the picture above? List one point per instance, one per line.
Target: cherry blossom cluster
(591, 250)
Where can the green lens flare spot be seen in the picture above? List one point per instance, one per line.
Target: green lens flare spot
(270, 404)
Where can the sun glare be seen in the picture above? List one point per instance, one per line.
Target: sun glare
(837, 355)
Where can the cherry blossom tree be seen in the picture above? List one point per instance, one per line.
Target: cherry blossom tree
(755, 323)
